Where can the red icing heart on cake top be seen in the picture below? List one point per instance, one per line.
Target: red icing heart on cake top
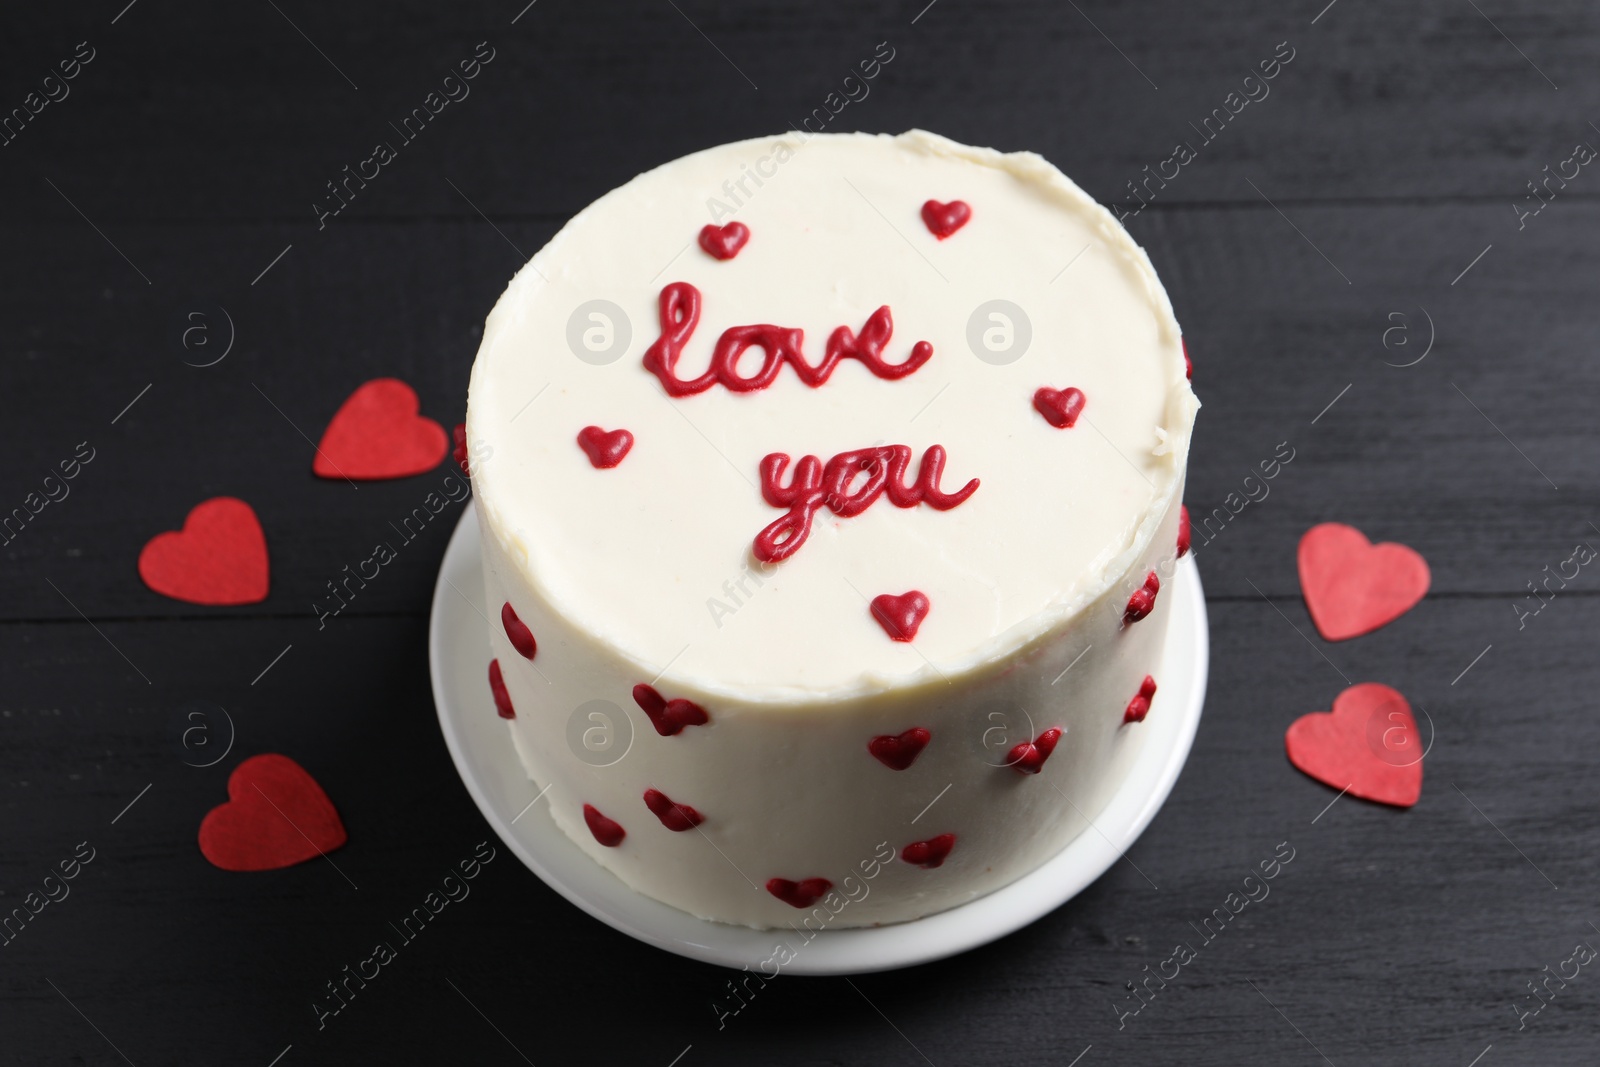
(1143, 600)
(900, 616)
(799, 894)
(943, 220)
(669, 717)
(497, 686)
(459, 435)
(1060, 407)
(377, 433)
(517, 631)
(1139, 706)
(724, 242)
(219, 557)
(1367, 744)
(1353, 586)
(930, 853)
(604, 448)
(1183, 530)
(674, 816)
(608, 832)
(276, 816)
(1029, 756)
(899, 751)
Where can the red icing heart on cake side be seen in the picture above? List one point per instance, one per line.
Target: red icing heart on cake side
(1028, 757)
(517, 632)
(1060, 407)
(1183, 530)
(724, 242)
(1368, 744)
(218, 558)
(459, 436)
(943, 220)
(1143, 600)
(605, 448)
(900, 616)
(1139, 706)
(799, 894)
(497, 686)
(377, 433)
(930, 853)
(1352, 586)
(899, 751)
(669, 717)
(674, 816)
(608, 832)
(276, 816)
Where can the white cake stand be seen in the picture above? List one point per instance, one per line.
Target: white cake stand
(458, 648)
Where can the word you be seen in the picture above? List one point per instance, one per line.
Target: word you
(813, 486)
(410, 128)
(1541, 994)
(55, 491)
(1184, 953)
(1582, 555)
(455, 890)
(1581, 155)
(1255, 491)
(55, 890)
(410, 528)
(1184, 153)
(55, 90)
(815, 922)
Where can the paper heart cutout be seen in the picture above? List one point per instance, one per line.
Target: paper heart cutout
(608, 832)
(899, 751)
(605, 449)
(377, 434)
(1028, 757)
(674, 816)
(1368, 744)
(724, 242)
(1060, 407)
(517, 632)
(276, 816)
(669, 717)
(219, 557)
(943, 220)
(799, 894)
(930, 853)
(1352, 586)
(900, 616)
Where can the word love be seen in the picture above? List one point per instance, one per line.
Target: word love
(679, 307)
(880, 469)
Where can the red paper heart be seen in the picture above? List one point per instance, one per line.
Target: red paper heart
(900, 616)
(517, 632)
(1368, 744)
(608, 832)
(1060, 407)
(219, 557)
(605, 449)
(724, 242)
(899, 751)
(799, 894)
(930, 853)
(276, 816)
(1028, 757)
(674, 816)
(669, 717)
(497, 687)
(377, 434)
(943, 220)
(1353, 586)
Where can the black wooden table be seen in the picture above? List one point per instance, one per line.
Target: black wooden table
(1363, 272)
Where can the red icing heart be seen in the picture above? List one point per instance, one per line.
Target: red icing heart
(1368, 744)
(669, 717)
(1353, 586)
(1060, 407)
(1139, 706)
(1143, 600)
(219, 557)
(459, 436)
(605, 448)
(898, 752)
(1183, 530)
(517, 630)
(606, 831)
(1029, 756)
(497, 686)
(724, 242)
(799, 894)
(900, 616)
(377, 434)
(674, 816)
(1188, 368)
(276, 816)
(943, 220)
(930, 853)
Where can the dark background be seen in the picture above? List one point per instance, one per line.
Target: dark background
(1387, 158)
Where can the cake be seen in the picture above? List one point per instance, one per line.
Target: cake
(828, 488)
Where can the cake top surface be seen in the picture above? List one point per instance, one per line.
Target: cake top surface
(717, 354)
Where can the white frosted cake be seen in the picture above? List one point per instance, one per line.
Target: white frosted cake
(828, 486)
